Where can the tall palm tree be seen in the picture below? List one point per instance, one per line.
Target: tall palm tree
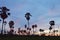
(52, 23)
(27, 16)
(4, 15)
(11, 25)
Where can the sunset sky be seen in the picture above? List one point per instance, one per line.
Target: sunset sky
(42, 12)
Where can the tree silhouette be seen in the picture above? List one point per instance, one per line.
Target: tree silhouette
(50, 29)
(19, 31)
(41, 30)
(3, 15)
(11, 25)
(52, 23)
(27, 16)
(25, 26)
(55, 31)
(33, 27)
(28, 29)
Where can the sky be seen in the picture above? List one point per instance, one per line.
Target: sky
(42, 12)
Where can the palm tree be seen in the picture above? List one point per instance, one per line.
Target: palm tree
(33, 26)
(25, 26)
(42, 30)
(4, 15)
(19, 31)
(11, 25)
(52, 23)
(55, 31)
(28, 29)
(27, 16)
(50, 30)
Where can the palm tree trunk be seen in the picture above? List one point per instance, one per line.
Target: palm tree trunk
(33, 30)
(2, 26)
(28, 24)
(49, 32)
(4, 29)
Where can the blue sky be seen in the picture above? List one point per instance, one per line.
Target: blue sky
(42, 12)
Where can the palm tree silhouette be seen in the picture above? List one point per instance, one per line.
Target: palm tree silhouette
(28, 29)
(33, 27)
(19, 31)
(50, 28)
(52, 23)
(41, 30)
(27, 16)
(11, 25)
(4, 15)
(25, 26)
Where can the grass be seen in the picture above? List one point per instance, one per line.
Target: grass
(15, 37)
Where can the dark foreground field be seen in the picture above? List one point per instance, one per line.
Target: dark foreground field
(15, 37)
